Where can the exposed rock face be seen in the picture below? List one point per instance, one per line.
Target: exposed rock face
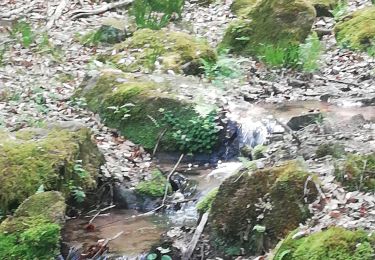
(332, 244)
(34, 230)
(358, 30)
(145, 99)
(254, 210)
(270, 22)
(34, 157)
(174, 51)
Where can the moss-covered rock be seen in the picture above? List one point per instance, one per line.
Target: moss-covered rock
(270, 22)
(34, 157)
(357, 172)
(324, 7)
(175, 51)
(34, 230)
(358, 30)
(254, 210)
(242, 7)
(332, 244)
(334, 149)
(144, 101)
(154, 187)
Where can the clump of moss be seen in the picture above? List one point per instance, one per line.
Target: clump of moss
(271, 199)
(45, 157)
(205, 203)
(334, 243)
(172, 49)
(270, 23)
(145, 119)
(155, 187)
(358, 31)
(333, 149)
(34, 230)
(242, 7)
(357, 172)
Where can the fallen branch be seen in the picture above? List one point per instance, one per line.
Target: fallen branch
(87, 12)
(169, 177)
(101, 210)
(194, 241)
(58, 12)
(157, 142)
(343, 82)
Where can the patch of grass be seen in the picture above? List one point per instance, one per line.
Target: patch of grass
(340, 10)
(309, 53)
(156, 14)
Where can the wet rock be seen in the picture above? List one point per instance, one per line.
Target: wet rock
(253, 210)
(33, 232)
(34, 158)
(125, 198)
(358, 30)
(333, 243)
(298, 122)
(270, 22)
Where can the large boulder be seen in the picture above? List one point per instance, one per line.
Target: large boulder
(357, 31)
(254, 210)
(174, 51)
(48, 159)
(33, 232)
(334, 243)
(143, 106)
(270, 22)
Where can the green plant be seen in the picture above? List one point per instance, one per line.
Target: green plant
(282, 55)
(122, 111)
(224, 67)
(154, 187)
(309, 53)
(79, 170)
(154, 14)
(23, 32)
(340, 10)
(199, 134)
(205, 203)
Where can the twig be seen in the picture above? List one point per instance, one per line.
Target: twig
(343, 82)
(157, 142)
(58, 12)
(107, 240)
(101, 210)
(87, 12)
(189, 251)
(169, 177)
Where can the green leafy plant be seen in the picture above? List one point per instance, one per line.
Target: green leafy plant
(23, 32)
(154, 14)
(79, 170)
(199, 134)
(309, 53)
(122, 111)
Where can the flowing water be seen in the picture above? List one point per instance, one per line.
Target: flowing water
(256, 122)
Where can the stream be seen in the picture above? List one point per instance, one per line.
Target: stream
(141, 233)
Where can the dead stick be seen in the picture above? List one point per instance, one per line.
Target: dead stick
(101, 210)
(169, 177)
(194, 241)
(157, 142)
(103, 9)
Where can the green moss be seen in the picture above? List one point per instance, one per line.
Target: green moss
(38, 158)
(271, 198)
(174, 49)
(155, 187)
(270, 22)
(358, 31)
(332, 244)
(34, 231)
(357, 172)
(333, 149)
(242, 7)
(205, 203)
